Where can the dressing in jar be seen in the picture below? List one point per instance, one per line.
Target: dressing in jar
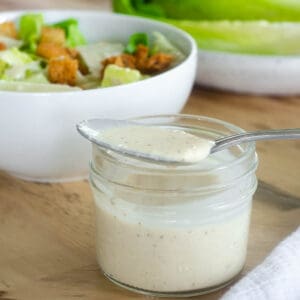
(174, 230)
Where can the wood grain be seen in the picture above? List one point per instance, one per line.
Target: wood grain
(47, 248)
(47, 240)
(279, 160)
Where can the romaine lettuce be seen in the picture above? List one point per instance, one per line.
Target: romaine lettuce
(115, 75)
(20, 72)
(135, 40)
(30, 28)
(93, 54)
(23, 86)
(9, 42)
(162, 44)
(73, 35)
(271, 10)
(254, 37)
(14, 57)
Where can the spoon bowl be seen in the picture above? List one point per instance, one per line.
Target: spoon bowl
(93, 131)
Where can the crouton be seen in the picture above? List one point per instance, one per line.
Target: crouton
(8, 29)
(2, 46)
(63, 70)
(123, 60)
(73, 53)
(53, 35)
(158, 63)
(83, 68)
(140, 60)
(50, 50)
(141, 57)
(128, 61)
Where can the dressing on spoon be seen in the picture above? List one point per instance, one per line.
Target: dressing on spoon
(166, 145)
(158, 143)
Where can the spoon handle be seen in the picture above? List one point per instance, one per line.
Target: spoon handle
(276, 134)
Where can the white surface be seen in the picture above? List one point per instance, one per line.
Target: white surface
(257, 74)
(277, 278)
(38, 137)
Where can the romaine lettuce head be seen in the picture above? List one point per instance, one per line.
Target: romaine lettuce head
(229, 25)
(271, 10)
(255, 37)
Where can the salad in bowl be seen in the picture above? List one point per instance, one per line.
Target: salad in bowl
(39, 56)
(38, 113)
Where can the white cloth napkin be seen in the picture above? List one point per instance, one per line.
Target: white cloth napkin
(277, 278)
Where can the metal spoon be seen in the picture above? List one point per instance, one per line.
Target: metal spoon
(91, 129)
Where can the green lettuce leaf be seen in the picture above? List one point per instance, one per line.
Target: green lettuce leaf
(270, 10)
(138, 7)
(253, 36)
(162, 44)
(93, 54)
(13, 56)
(3, 67)
(23, 86)
(39, 77)
(74, 37)
(115, 75)
(135, 40)
(30, 28)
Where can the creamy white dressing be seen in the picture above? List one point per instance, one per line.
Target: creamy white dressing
(159, 143)
(160, 237)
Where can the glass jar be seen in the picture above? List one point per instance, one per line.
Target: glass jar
(169, 230)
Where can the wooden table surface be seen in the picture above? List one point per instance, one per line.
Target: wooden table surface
(47, 248)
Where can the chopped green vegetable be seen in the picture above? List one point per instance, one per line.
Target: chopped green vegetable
(93, 54)
(162, 44)
(23, 68)
(23, 86)
(14, 57)
(20, 72)
(114, 75)
(37, 78)
(10, 42)
(73, 35)
(135, 40)
(3, 67)
(30, 30)
(18, 64)
(88, 81)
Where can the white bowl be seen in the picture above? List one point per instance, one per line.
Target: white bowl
(38, 137)
(256, 74)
